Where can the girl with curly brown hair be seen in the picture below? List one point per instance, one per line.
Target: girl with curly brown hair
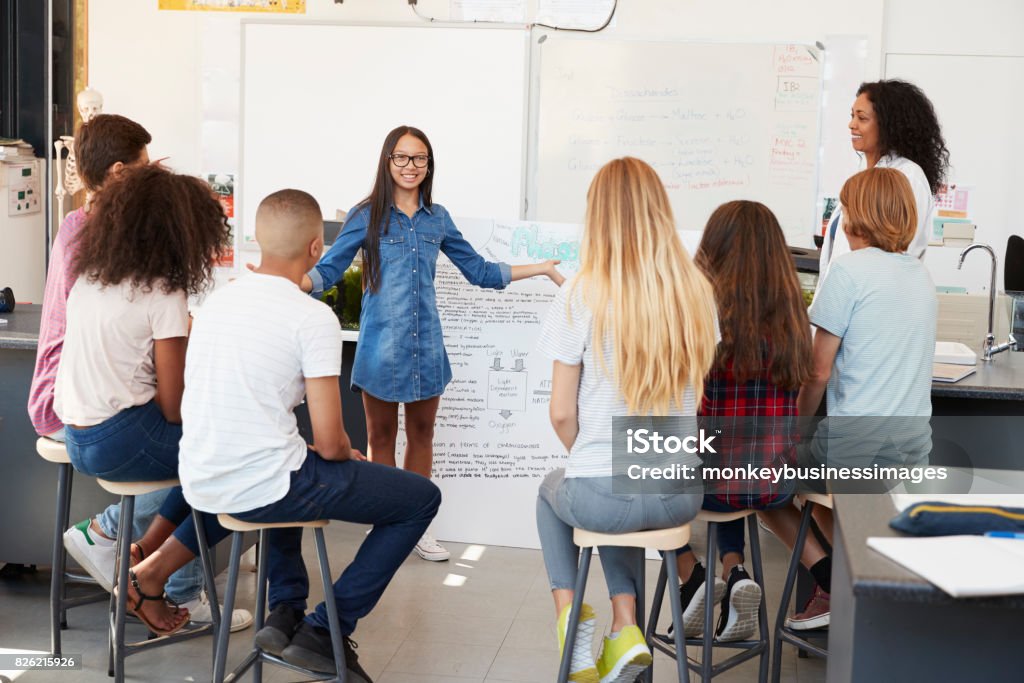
(149, 242)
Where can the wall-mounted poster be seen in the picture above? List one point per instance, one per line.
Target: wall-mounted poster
(223, 185)
(269, 6)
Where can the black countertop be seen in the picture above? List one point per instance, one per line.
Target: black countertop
(875, 576)
(22, 328)
(1002, 378)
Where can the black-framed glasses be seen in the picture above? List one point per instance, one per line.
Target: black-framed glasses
(402, 160)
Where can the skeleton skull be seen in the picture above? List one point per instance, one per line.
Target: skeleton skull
(90, 103)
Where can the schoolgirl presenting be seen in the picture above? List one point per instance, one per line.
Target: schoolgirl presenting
(401, 356)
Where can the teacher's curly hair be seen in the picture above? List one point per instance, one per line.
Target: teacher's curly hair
(153, 227)
(908, 126)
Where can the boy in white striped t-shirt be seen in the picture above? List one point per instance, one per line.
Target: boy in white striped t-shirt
(258, 345)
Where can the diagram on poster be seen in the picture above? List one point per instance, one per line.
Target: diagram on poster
(493, 441)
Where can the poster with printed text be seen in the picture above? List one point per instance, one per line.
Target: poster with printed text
(265, 6)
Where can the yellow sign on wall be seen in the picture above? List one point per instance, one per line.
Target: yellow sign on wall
(269, 6)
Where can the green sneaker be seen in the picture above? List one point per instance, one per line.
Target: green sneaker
(625, 657)
(582, 669)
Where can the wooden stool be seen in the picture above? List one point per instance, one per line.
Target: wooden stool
(665, 540)
(751, 648)
(256, 656)
(118, 649)
(56, 452)
(782, 632)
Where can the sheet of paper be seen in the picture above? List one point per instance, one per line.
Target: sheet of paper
(574, 13)
(509, 11)
(962, 566)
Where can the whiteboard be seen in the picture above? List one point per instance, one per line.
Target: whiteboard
(319, 99)
(718, 122)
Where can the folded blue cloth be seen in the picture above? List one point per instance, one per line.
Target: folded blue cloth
(947, 519)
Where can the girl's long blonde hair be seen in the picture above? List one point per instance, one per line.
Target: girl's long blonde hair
(643, 290)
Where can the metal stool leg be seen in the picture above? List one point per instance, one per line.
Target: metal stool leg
(640, 588)
(206, 559)
(574, 615)
(124, 551)
(656, 602)
(57, 585)
(787, 590)
(65, 523)
(224, 632)
(261, 598)
(707, 658)
(332, 608)
(762, 610)
(672, 574)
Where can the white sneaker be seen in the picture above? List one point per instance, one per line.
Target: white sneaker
(199, 613)
(96, 555)
(430, 549)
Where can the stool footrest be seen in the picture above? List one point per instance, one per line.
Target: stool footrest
(790, 636)
(750, 649)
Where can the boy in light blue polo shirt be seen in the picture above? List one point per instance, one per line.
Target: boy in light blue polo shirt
(873, 349)
(875, 311)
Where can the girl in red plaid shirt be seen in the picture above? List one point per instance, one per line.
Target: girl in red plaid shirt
(750, 395)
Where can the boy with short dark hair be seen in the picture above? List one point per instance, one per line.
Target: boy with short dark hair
(258, 346)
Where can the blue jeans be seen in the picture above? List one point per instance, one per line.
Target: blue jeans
(589, 503)
(137, 444)
(186, 583)
(400, 505)
(730, 534)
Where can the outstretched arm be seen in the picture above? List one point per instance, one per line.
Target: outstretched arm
(543, 268)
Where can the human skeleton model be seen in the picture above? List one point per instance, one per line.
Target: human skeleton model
(90, 103)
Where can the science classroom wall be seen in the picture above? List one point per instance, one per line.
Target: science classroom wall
(969, 60)
(148, 63)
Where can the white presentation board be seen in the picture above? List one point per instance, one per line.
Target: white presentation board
(493, 440)
(319, 99)
(718, 121)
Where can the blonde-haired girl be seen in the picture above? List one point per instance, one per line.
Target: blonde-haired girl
(633, 334)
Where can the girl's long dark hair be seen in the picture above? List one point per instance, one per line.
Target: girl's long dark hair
(380, 199)
(153, 227)
(908, 126)
(761, 311)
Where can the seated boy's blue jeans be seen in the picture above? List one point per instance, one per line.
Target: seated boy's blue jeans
(400, 505)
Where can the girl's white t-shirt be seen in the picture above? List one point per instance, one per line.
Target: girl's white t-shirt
(106, 364)
(569, 339)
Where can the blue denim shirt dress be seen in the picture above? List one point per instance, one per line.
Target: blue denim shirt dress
(401, 356)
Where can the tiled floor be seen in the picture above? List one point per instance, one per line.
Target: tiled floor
(484, 616)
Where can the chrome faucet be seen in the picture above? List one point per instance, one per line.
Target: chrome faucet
(990, 348)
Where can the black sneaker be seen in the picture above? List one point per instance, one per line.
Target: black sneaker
(311, 649)
(740, 606)
(278, 630)
(691, 597)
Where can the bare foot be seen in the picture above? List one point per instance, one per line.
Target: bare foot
(146, 601)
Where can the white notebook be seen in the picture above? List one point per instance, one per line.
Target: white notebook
(948, 372)
(962, 566)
